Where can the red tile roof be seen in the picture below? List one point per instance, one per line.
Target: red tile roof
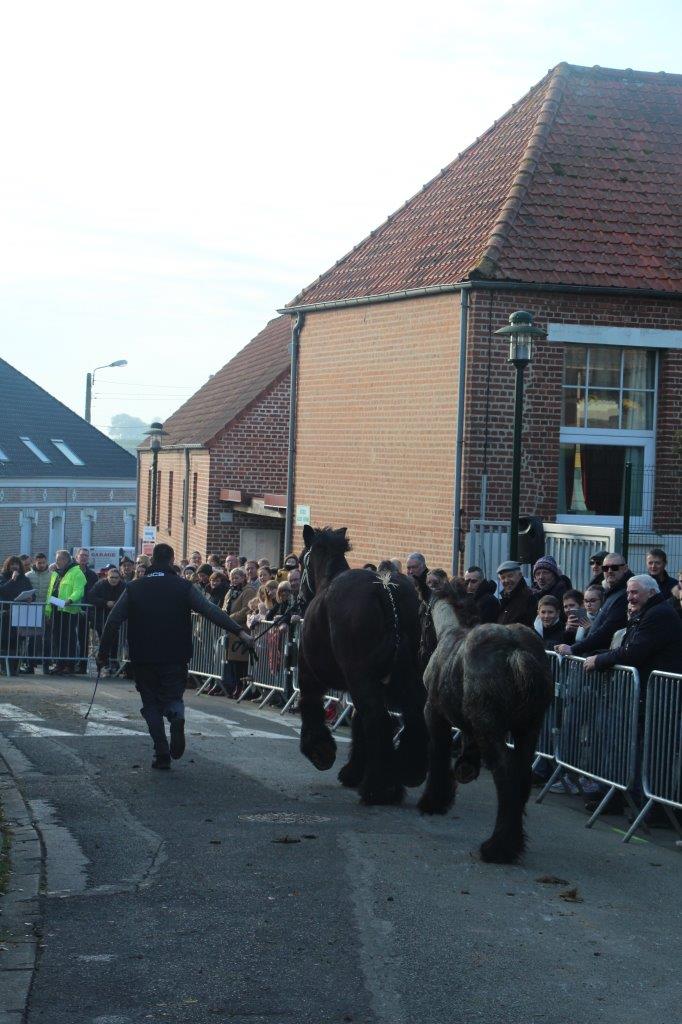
(579, 183)
(229, 391)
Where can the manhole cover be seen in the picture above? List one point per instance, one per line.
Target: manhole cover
(285, 818)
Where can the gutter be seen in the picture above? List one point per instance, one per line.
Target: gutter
(459, 432)
(296, 329)
(483, 284)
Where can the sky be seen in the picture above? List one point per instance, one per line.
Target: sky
(173, 173)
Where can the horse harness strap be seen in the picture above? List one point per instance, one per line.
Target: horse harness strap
(388, 588)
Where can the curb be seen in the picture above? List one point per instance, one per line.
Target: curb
(19, 906)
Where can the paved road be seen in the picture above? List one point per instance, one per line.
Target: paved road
(243, 886)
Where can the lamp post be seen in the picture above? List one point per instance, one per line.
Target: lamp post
(521, 333)
(155, 433)
(89, 383)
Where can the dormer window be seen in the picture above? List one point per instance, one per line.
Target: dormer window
(63, 447)
(32, 447)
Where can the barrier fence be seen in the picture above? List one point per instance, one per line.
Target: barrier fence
(34, 636)
(594, 726)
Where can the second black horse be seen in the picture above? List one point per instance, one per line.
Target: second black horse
(361, 634)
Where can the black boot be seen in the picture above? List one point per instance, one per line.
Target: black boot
(162, 761)
(177, 737)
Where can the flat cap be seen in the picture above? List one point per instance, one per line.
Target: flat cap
(509, 567)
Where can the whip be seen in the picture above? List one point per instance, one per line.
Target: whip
(99, 673)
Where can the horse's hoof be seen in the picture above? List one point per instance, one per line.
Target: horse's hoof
(466, 771)
(390, 794)
(320, 752)
(429, 804)
(498, 851)
(350, 776)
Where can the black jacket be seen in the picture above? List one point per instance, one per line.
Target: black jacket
(91, 580)
(666, 583)
(518, 606)
(653, 640)
(159, 609)
(552, 635)
(99, 595)
(612, 615)
(9, 588)
(487, 604)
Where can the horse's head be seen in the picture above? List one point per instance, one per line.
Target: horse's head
(323, 557)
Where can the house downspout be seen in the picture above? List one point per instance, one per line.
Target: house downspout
(291, 464)
(185, 505)
(459, 435)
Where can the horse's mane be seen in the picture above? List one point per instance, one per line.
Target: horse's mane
(334, 541)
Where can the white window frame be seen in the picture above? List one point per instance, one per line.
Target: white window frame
(601, 436)
(67, 452)
(33, 447)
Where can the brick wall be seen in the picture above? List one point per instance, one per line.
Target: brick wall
(490, 401)
(107, 503)
(249, 455)
(377, 416)
(376, 426)
(174, 461)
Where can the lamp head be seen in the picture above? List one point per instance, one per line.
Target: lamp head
(119, 362)
(155, 433)
(521, 333)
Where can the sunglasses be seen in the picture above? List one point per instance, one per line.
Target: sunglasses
(612, 568)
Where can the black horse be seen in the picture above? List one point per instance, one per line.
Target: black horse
(361, 634)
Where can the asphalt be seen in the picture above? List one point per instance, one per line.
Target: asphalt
(244, 886)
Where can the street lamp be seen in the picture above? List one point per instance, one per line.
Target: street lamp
(521, 333)
(155, 433)
(89, 382)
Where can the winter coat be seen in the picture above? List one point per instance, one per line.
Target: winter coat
(10, 589)
(40, 581)
(551, 635)
(666, 583)
(216, 595)
(557, 589)
(653, 640)
(101, 593)
(518, 606)
(612, 615)
(67, 585)
(237, 607)
(487, 604)
(91, 578)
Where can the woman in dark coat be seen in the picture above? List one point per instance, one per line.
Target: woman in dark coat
(104, 596)
(218, 586)
(13, 582)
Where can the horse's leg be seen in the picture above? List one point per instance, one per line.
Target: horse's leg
(317, 742)
(353, 771)
(524, 752)
(468, 764)
(380, 783)
(508, 841)
(439, 794)
(412, 753)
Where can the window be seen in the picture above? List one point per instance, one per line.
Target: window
(35, 449)
(170, 501)
(608, 420)
(67, 452)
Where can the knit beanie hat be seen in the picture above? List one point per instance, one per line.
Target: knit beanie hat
(547, 562)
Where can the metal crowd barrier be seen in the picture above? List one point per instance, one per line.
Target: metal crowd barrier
(597, 733)
(209, 643)
(31, 638)
(268, 672)
(338, 698)
(662, 756)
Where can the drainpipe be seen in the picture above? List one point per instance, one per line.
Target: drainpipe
(185, 504)
(291, 464)
(459, 436)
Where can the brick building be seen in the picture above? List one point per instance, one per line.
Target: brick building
(568, 206)
(222, 468)
(62, 483)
